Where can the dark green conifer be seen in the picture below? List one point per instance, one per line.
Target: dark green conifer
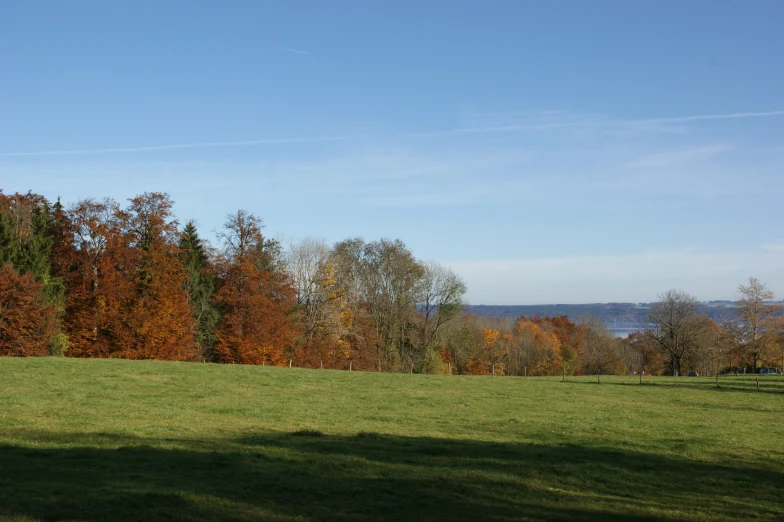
(200, 284)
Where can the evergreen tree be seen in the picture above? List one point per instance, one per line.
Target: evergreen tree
(200, 284)
(26, 224)
(24, 242)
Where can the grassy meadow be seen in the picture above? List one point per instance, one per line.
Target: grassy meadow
(146, 440)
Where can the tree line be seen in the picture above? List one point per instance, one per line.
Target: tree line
(679, 337)
(97, 279)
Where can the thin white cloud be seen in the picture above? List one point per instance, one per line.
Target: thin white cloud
(651, 123)
(733, 115)
(490, 129)
(578, 120)
(672, 157)
(150, 148)
(291, 50)
(774, 246)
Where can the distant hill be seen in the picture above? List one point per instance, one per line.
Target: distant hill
(620, 317)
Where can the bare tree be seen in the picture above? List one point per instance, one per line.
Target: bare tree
(241, 232)
(709, 350)
(303, 261)
(600, 351)
(673, 323)
(439, 299)
(756, 316)
(308, 264)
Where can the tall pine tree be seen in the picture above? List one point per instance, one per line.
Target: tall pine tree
(200, 284)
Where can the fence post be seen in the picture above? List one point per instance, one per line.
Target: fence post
(290, 363)
(349, 365)
(449, 365)
(525, 371)
(563, 374)
(493, 370)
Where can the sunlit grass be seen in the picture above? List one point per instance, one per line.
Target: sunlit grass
(109, 440)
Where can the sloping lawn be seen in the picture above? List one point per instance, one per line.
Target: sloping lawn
(147, 440)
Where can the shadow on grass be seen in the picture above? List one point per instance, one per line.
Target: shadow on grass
(311, 475)
(727, 383)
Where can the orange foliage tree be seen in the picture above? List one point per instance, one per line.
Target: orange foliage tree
(569, 334)
(158, 315)
(254, 296)
(26, 323)
(125, 293)
(494, 349)
(533, 350)
(89, 258)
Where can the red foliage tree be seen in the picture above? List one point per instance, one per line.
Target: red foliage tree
(92, 260)
(158, 315)
(26, 323)
(125, 295)
(254, 296)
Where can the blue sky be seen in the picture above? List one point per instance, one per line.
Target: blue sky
(550, 152)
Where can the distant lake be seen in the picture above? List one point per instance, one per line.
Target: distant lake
(625, 331)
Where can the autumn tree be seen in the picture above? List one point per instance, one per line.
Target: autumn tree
(254, 296)
(338, 330)
(124, 281)
(569, 334)
(27, 323)
(459, 346)
(322, 305)
(158, 316)
(439, 300)
(91, 261)
(385, 279)
(533, 350)
(757, 316)
(391, 275)
(673, 323)
(26, 228)
(642, 354)
(600, 352)
(712, 349)
(493, 349)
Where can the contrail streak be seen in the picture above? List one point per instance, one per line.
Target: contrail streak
(79, 152)
(589, 123)
(291, 50)
(316, 139)
(717, 116)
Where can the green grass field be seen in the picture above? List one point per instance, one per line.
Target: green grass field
(128, 440)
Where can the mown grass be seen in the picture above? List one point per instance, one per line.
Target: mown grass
(146, 440)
